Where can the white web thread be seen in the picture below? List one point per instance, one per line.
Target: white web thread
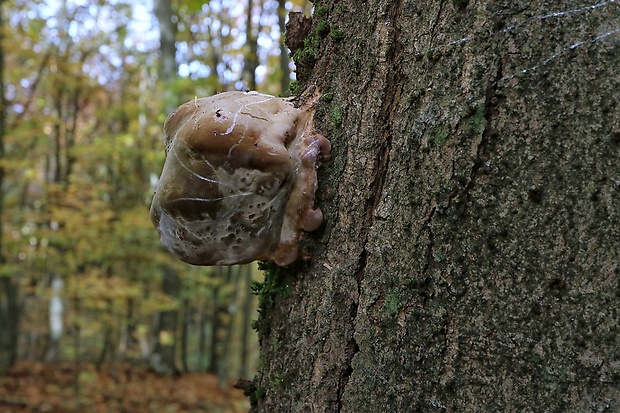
(204, 178)
(241, 107)
(234, 121)
(547, 60)
(562, 51)
(174, 150)
(586, 8)
(515, 26)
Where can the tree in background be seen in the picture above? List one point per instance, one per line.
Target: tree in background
(470, 260)
(285, 71)
(162, 358)
(9, 308)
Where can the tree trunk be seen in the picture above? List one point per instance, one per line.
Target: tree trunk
(214, 344)
(202, 341)
(471, 256)
(56, 320)
(9, 305)
(163, 358)
(250, 62)
(246, 321)
(187, 319)
(107, 351)
(224, 366)
(167, 70)
(285, 72)
(9, 322)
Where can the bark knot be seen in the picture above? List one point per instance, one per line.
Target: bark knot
(297, 29)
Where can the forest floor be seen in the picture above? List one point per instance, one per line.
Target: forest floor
(115, 388)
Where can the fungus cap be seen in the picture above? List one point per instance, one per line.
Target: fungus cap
(239, 179)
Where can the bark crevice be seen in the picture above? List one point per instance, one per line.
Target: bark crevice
(392, 90)
(428, 226)
(481, 165)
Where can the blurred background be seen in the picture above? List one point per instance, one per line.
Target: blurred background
(85, 286)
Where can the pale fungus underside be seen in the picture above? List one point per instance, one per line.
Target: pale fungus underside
(239, 179)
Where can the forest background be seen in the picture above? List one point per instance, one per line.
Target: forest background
(84, 282)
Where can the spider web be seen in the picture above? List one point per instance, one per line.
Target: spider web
(609, 9)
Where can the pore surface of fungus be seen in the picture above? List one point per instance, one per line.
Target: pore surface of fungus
(239, 179)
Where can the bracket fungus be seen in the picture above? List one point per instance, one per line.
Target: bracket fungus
(239, 179)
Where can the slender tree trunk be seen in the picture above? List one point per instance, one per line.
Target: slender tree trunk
(163, 358)
(9, 322)
(218, 345)
(471, 256)
(284, 57)
(9, 305)
(77, 344)
(128, 327)
(56, 136)
(3, 110)
(71, 131)
(251, 58)
(167, 40)
(215, 327)
(245, 322)
(233, 277)
(107, 351)
(56, 324)
(187, 318)
(202, 340)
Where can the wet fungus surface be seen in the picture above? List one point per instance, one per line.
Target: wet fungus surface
(239, 179)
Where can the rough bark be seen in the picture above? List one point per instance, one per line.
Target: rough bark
(470, 260)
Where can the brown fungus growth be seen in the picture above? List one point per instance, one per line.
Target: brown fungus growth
(239, 179)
